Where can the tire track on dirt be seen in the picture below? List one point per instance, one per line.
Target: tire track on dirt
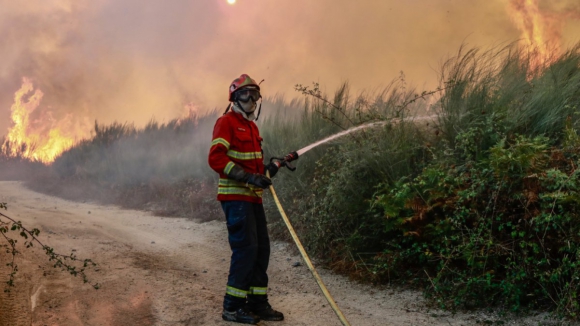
(14, 305)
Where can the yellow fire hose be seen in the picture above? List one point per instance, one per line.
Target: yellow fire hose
(307, 259)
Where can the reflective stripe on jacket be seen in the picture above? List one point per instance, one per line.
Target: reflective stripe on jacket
(236, 141)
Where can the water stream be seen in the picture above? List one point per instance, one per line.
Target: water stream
(348, 131)
(340, 134)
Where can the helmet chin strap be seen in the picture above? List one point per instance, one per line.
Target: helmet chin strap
(259, 110)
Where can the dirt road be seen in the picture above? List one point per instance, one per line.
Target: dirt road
(172, 271)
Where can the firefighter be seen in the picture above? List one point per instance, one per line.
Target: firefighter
(236, 155)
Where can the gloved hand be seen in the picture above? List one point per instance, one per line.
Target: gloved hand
(259, 180)
(272, 168)
(256, 179)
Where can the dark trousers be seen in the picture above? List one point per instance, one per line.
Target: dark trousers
(250, 244)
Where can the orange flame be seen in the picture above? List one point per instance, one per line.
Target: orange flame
(541, 29)
(540, 34)
(26, 141)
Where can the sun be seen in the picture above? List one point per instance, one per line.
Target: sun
(231, 2)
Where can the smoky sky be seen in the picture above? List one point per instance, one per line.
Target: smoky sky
(133, 60)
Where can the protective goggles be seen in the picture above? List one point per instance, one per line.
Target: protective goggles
(247, 94)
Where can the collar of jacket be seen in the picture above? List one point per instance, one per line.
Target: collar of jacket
(249, 117)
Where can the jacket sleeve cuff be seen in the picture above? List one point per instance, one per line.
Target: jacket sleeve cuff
(229, 168)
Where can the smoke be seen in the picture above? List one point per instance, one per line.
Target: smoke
(132, 60)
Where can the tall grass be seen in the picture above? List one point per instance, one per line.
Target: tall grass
(122, 154)
(498, 89)
(328, 194)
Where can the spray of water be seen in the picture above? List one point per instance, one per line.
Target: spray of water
(368, 125)
(340, 134)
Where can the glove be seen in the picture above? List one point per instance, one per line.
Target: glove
(259, 180)
(256, 179)
(272, 168)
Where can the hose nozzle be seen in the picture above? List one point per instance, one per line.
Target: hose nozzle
(285, 161)
(292, 156)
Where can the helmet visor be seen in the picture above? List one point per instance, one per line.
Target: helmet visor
(247, 94)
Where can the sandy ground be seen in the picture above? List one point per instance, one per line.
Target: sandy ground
(172, 271)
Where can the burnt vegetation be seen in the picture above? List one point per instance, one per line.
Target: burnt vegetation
(469, 192)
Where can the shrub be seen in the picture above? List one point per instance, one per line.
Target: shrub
(502, 230)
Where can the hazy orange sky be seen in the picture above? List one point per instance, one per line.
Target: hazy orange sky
(131, 60)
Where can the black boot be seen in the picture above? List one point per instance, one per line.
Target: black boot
(241, 315)
(265, 312)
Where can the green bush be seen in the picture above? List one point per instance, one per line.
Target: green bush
(500, 231)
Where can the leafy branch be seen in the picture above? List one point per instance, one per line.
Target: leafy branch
(316, 93)
(30, 236)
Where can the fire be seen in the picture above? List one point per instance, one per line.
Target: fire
(36, 140)
(541, 29)
(535, 30)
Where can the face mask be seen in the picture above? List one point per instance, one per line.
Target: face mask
(249, 106)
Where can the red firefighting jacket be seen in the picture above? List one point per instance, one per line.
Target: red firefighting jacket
(236, 141)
